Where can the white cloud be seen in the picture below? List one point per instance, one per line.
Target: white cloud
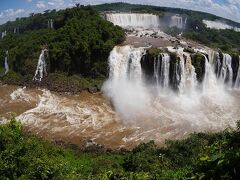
(56, 3)
(230, 9)
(40, 5)
(11, 14)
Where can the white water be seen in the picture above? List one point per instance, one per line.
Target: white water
(219, 25)
(210, 85)
(138, 114)
(165, 67)
(237, 82)
(133, 99)
(41, 70)
(161, 70)
(134, 20)
(178, 21)
(50, 24)
(6, 63)
(125, 86)
(157, 63)
(4, 33)
(226, 72)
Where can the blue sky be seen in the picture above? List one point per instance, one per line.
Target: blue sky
(10, 9)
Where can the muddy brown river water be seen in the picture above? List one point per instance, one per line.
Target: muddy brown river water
(78, 118)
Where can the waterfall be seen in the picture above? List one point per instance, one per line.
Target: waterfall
(226, 72)
(125, 86)
(16, 30)
(125, 63)
(237, 82)
(161, 70)
(41, 67)
(217, 65)
(188, 80)
(50, 24)
(210, 80)
(178, 22)
(4, 34)
(165, 66)
(6, 63)
(134, 20)
(156, 69)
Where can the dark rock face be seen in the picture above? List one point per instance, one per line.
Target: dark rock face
(198, 61)
(175, 71)
(93, 89)
(147, 64)
(235, 66)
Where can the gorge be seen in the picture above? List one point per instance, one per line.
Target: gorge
(120, 91)
(153, 92)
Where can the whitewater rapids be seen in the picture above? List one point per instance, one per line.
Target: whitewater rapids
(128, 111)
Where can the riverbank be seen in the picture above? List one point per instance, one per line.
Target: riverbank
(207, 156)
(56, 82)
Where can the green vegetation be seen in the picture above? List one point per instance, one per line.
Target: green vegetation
(198, 61)
(226, 40)
(201, 156)
(79, 44)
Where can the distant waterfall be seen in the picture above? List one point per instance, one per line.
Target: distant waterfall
(41, 70)
(237, 82)
(50, 24)
(16, 30)
(178, 21)
(4, 33)
(6, 63)
(134, 20)
(226, 72)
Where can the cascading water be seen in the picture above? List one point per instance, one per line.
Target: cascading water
(135, 113)
(189, 109)
(4, 33)
(156, 69)
(226, 72)
(178, 22)
(134, 20)
(6, 63)
(210, 80)
(161, 70)
(41, 70)
(184, 72)
(237, 82)
(125, 86)
(165, 65)
(50, 24)
(217, 65)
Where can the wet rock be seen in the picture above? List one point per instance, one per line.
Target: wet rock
(93, 90)
(93, 146)
(189, 50)
(59, 142)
